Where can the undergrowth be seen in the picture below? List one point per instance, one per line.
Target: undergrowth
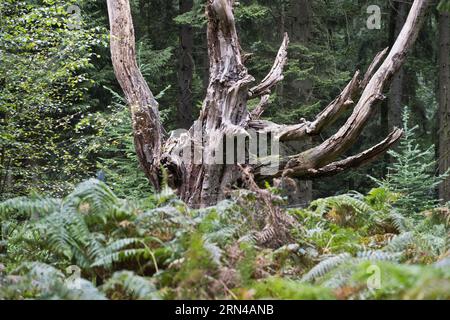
(94, 245)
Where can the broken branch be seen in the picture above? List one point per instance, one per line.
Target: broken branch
(276, 73)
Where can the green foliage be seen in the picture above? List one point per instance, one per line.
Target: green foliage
(196, 17)
(282, 289)
(406, 282)
(45, 60)
(40, 281)
(158, 248)
(444, 5)
(412, 174)
(62, 118)
(117, 156)
(126, 285)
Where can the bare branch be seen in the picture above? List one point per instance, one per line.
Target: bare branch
(325, 118)
(336, 108)
(331, 113)
(276, 73)
(337, 144)
(260, 108)
(373, 67)
(356, 161)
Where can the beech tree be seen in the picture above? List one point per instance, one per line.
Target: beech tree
(224, 115)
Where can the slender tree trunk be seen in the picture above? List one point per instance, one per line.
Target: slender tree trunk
(297, 22)
(186, 70)
(395, 98)
(444, 102)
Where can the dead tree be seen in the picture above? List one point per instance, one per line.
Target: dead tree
(225, 113)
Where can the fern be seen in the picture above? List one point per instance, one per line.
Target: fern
(27, 208)
(326, 266)
(41, 281)
(346, 210)
(127, 285)
(378, 255)
(400, 242)
(183, 253)
(352, 201)
(338, 268)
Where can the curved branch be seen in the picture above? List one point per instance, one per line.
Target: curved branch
(373, 67)
(336, 108)
(356, 161)
(345, 100)
(276, 73)
(147, 128)
(339, 105)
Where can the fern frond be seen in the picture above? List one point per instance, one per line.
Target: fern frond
(108, 260)
(400, 222)
(323, 206)
(378, 255)
(129, 285)
(326, 266)
(400, 243)
(93, 197)
(27, 207)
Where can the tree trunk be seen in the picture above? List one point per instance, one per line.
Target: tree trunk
(229, 145)
(224, 110)
(299, 20)
(395, 98)
(444, 103)
(299, 24)
(186, 71)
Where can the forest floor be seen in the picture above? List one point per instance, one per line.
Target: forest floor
(94, 245)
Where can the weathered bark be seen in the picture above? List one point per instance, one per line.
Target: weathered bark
(444, 103)
(224, 111)
(186, 70)
(201, 182)
(329, 115)
(147, 129)
(358, 160)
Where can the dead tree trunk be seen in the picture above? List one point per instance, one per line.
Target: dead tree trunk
(444, 102)
(227, 139)
(147, 129)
